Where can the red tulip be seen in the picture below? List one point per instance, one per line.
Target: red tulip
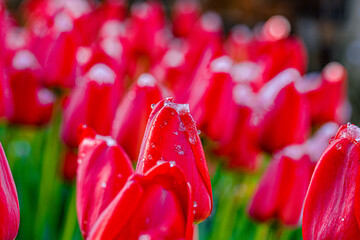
(60, 64)
(93, 102)
(331, 209)
(171, 136)
(283, 187)
(248, 73)
(133, 112)
(242, 148)
(284, 118)
(32, 103)
(103, 168)
(184, 15)
(9, 203)
(327, 94)
(157, 205)
(215, 92)
(237, 44)
(276, 50)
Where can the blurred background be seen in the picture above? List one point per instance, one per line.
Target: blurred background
(330, 31)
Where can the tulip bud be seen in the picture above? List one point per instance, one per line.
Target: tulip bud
(184, 15)
(32, 103)
(215, 92)
(93, 103)
(284, 117)
(238, 42)
(133, 112)
(103, 168)
(331, 209)
(171, 136)
(326, 93)
(9, 203)
(283, 187)
(242, 148)
(60, 64)
(157, 205)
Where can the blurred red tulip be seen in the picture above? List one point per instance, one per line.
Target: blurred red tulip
(184, 15)
(242, 148)
(133, 112)
(215, 93)
(331, 209)
(284, 116)
(69, 165)
(283, 187)
(93, 102)
(33, 104)
(157, 205)
(237, 44)
(9, 203)
(171, 136)
(103, 168)
(326, 94)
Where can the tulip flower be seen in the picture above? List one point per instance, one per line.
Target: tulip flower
(184, 14)
(326, 93)
(133, 112)
(331, 209)
(93, 102)
(275, 50)
(242, 148)
(32, 103)
(283, 187)
(284, 116)
(215, 92)
(9, 203)
(237, 44)
(103, 168)
(157, 205)
(171, 136)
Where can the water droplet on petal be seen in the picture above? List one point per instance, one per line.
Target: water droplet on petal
(182, 127)
(153, 105)
(338, 146)
(179, 150)
(195, 204)
(176, 133)
(172, 163)
(198, 132)
(103, 185)
(149, 156)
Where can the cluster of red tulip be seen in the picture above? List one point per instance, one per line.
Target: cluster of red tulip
(116, 76)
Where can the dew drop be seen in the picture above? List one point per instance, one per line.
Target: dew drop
(195, 204)
(103, 185)
(82, 155)
(342, 219)
(79, 161)
(153, 105)
(338, 146)
(176, 133)
(172, 163)
(198, 132)
(182, 127)
(179, 150)
(149, 156)
(165, 123)
(153, 145)
(192, 140)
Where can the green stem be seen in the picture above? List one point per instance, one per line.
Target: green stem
(70, 220)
